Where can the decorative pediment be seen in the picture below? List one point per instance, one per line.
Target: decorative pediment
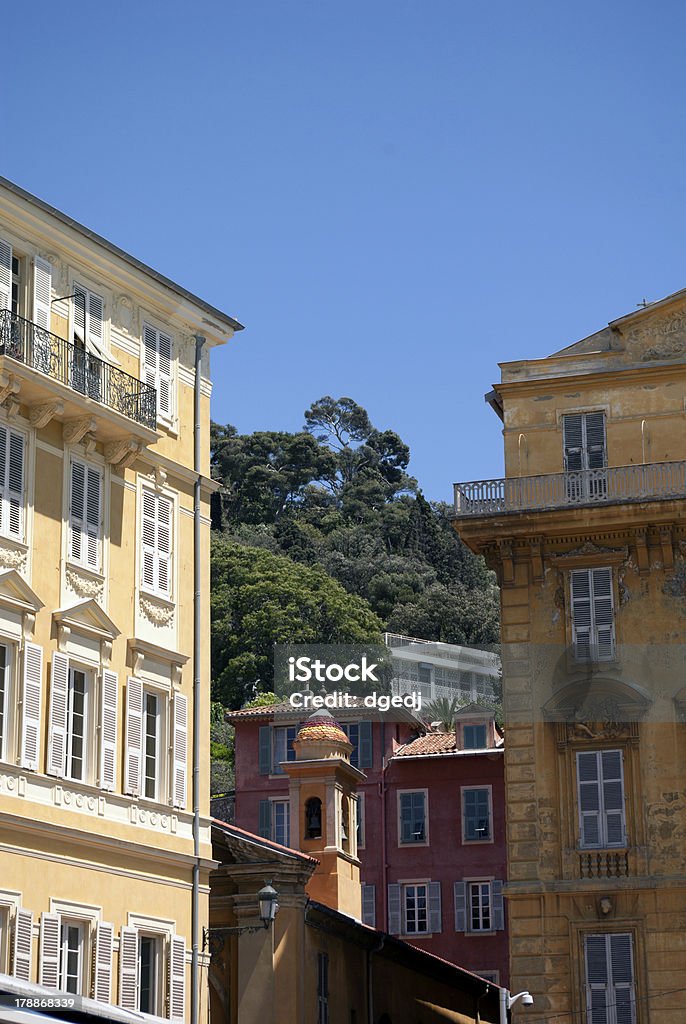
(661, 336)
(474, 710)
(590, 554)
(597, 699)
(16, 593)
(141, 651)
(87, 617)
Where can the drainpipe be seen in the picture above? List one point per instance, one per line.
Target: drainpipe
(370, 980)
(384, 864)
(197, 644)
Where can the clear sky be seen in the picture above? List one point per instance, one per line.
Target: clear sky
(392, 195)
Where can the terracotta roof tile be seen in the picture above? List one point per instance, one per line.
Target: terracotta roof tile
(432, 743)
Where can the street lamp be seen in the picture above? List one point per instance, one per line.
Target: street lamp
(267, 901)
(507, 1002)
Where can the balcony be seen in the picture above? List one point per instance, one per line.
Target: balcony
(55, 378)
(604, 864)
(652, 482)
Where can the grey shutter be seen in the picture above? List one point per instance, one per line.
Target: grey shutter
(613, 797)
(57, 720)
(134, 736)
(580, 590)
(128, 969)
(265, 752)
(573, 442)
(32, 696)
(497, 909)
(265, 825)
(435, 925)
(5, 275)
(589, 799)
(42, 292)
(365, 745)
(369, 904)
(460, 892)
(96, 322)
(622, 974)
(395, 915)
(102, 962)
(177, 979)
(80, 302)
(594, 424)
(49, 952)
(108, 729)
(603, 614)
(22, 944)
(180, 751)
(610, 991)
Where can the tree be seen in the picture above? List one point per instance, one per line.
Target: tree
(260, 599)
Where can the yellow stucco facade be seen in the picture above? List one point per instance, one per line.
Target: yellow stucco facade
(587, 534)
(97, 627)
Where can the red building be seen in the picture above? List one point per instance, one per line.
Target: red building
(431, 822)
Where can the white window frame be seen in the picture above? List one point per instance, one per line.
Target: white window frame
(65, 924)
(165, 930)
(485, 886)
(277, 731)
(404, 892)
(361, 821)
(10, 901)
(468, 839)
(283, 802)
(488, 975)
(159, 953)
(82, 526)
(146, 487)
(93, 347)
(89, 916)
(595, 654)
(413, 842)
(88, 724)
(602, 813)
(8, 702)
(162, 733)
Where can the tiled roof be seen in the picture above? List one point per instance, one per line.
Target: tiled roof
(432, 743)
(268, 844)
(263, 712)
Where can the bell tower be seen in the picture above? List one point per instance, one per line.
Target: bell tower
(323, 798)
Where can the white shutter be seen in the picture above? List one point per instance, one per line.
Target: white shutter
(31, 705)
(165, 375)
(102, 962)
(57, 722)
(164, 544)
(22, 944)
(180, 748)
(177, 979)
(108, 729)
(134, 736)
(77, 509)
(42, 292)
(95, 322)
(5, 275)
(11, 482)
(460, 893)
(49, 952)
(587, 767)
(128, 969)
(93, 517)
(148, 540)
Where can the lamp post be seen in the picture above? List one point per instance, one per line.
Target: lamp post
(507, 1002)
(267, 901)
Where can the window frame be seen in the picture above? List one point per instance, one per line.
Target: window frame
(8, 677)
(594, 657)
(146, 487)
(10, 902)
(483, 884)
(276, 760)
(474, 746)
(412, 842)
(87, 738)
(81, 927)
(162, 768)
(470, 789)
(404, 892)
(167, 419)
(158, 988)
(285, 803)
(82, 559)
(611, 990)
(602, 813)
(361, 821)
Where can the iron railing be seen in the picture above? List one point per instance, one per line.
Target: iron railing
(81, 371)
(656, 480)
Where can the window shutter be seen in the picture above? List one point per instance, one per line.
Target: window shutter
(365, 745)
(157, 519)
(589, 798)
(497, 908)
(622, 971)
(134, 736)
(180, 752)
(164, 526)
(102, 962)
(150, 355)
(42, 292)
(31, 705)
(22, 944)
(595, 440)
(149, 539)
(395, 917)
(49, 953)
(12, 480)
(93, 503)
(265, 825)
(603, 615)
(80, 300)
(95, 322)
(610, 979)
(57, 725)
(177, 979)
(369, 904)
(573, 442)
(580, 589)
(435, 907)
(128, 969)
(613, 797)
(265, 754)
(165, 382)
(108, 730)
(5, 274)
(77, 509)
(460, 892)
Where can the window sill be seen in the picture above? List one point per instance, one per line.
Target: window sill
(477, 842)
(412, 845)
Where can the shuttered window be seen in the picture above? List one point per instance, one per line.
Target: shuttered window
(592, 607)
(600, 780)
(5, 275)
(415, 908)
(282, 737)
(12, 446)
(156, 542)
(88, 313)
(610, 979)
(360, 735)
(85, 515)
(4, 703)
(585, 456)
(157, 369)
(412, 813)
(369, 904)
(479, 906)
(22, 944)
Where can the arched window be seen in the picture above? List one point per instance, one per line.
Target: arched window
(313, 818)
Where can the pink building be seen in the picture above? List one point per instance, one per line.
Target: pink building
(431, 823)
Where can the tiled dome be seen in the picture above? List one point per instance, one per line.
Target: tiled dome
(321, 727)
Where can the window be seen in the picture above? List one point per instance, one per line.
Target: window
(412, 817)
(593, 627)
(78, 699)
(313, 818)
(369, 904)
(157, 369)
(474, 737)
(156, 536)
(72, 939)
(601, 799)
(322, 988)
(152, 739)
(153, 724)
(149, 956)
(152, 968)
(360, 821)
(492, 976)
(282, 737)
(281, 814)
(476, 814)
(415, 910)
(4, 703)
(88, 343)
(479, 906)
(16, 285)
(85, 516)
(12, 445)
(360, 735)
(585, 451)
(610, 984)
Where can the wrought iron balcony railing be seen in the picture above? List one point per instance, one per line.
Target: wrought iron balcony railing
(655, 481)
(58, 359)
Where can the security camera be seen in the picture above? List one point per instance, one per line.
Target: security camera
(527, 999)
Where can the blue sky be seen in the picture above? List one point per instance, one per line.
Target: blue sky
(391, 196)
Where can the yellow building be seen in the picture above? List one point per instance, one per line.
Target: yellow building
(105, 843)
(588, 534)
